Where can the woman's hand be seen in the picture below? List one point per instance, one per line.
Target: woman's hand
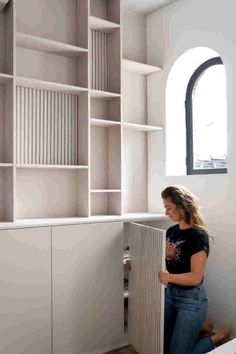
(164, 277)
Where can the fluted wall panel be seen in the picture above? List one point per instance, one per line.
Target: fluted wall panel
(146, 301)
(46, 127)
(99, 60)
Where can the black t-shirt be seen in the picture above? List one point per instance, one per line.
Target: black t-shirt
(181, 245)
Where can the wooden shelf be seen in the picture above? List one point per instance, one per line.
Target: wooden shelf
(142, 127)
(103, 122)
(139, 68)
(103, 94)
(59, 167)
(6, 164)
(5, 78)
(106, 191)
(99, 24)
(47, 45)
(51, 86)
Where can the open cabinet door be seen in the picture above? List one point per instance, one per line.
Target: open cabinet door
(146, 294)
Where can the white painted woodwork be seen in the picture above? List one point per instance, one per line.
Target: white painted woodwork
(4, 78)
(6, 121)
(41, 65)
(108, 10)
(42, 193)
(105, 190)
(63, 21)
(105, 157)
(141, 127)
(146, 294)
(135, 171)
(25, 292)
(6, 193)
(6, 39)
(105, 61)
(134, 94)
(47, 45)
(106, 203)
(139, 68)
(103, 123)
(87, 287)
(106, 108)
(73, 139)
(51, 86)
(134, 36)
(47, 127)
(59, 167)
(99, 24)
(103, 94)
(100, 61)
(26, 223)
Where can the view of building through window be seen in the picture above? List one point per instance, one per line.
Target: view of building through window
(209, 119)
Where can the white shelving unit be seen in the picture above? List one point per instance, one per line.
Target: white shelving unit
(74, 114)
(139, 123)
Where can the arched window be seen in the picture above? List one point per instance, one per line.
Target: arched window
(205, 105)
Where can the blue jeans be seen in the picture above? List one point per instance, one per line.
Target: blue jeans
(185, 312)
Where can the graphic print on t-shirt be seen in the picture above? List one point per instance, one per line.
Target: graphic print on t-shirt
(173, 250)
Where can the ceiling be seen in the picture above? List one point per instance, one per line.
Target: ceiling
(145, 6)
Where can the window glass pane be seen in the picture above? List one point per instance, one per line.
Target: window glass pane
(209, 119)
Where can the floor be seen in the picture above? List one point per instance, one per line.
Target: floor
(124, 350)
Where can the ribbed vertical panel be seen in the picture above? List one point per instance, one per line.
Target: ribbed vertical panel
(99, 53)
(46, 127)
(146, 301)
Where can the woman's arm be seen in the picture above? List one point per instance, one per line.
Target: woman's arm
(193, 278)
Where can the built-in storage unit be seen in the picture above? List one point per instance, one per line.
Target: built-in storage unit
(87, 292)
(138, 120)
(62, 286)
(25, 292)
(74, 113)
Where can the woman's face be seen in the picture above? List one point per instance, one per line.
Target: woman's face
(172, 211)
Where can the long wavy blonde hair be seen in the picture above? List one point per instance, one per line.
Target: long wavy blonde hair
(188, 204)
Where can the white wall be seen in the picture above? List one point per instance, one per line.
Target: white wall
(171, 31)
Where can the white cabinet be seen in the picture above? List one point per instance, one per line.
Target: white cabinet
(87, 275)
(25, 291)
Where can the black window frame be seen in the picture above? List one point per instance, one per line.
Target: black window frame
(189, 119)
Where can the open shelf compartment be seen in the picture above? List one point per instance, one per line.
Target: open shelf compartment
(135, 172)
(6, 194)
(105, 203)
(6, 39)
(64, 21)
(105, 61)
(51, 193)
(108, 10)
(105, 157)
(6, 121)
(51, 67)
(105, 108)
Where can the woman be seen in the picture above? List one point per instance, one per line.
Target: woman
(187, 249)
